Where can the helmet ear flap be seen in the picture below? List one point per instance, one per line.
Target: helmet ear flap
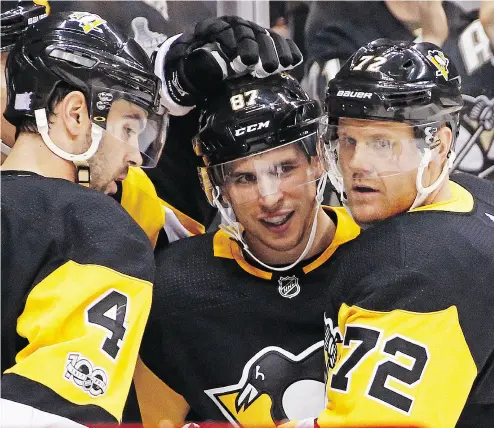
(211, 188)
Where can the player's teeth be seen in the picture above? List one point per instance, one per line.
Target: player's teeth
(276, 220)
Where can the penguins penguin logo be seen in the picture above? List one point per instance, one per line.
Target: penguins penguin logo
(275, 385)
(440, 62)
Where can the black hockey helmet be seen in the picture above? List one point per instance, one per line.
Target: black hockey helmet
(400, 81)
(414, 84)
(82, 50)
(249, 117)
(15, 20)
(86, 53)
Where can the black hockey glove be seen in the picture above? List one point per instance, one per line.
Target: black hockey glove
(192, 64)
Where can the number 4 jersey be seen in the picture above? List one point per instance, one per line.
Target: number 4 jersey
(77, 278)
(409, 337)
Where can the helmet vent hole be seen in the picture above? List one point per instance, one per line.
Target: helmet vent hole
(408, 64)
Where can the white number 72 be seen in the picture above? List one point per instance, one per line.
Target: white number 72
(366, 64)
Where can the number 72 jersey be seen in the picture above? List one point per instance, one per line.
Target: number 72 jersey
(383, 361)
(408, 335)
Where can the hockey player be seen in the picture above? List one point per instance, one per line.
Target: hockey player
(168, 201)
(235, 325)
(407, 339)
(77, 271)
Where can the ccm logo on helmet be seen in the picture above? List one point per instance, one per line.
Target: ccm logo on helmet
(251, 128)
(354, 94)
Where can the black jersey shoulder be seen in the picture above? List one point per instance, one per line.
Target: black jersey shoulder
(481, 189)
(71, 222)
(439, 247)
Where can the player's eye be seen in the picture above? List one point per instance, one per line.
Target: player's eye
(287, 168)
(244, 178)
(348, 142)
(129, 131)
(380, 144)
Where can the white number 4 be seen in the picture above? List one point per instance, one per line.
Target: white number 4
(370, 63)
(242, 100)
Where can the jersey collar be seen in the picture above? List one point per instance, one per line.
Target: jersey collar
(346, 230)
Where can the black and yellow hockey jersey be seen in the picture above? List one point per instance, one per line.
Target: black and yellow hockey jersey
(240, 343)
(472, 52)
(408, 318)
(77, 277)
(161, 221)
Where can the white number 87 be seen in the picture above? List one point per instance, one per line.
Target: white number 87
(243, 100)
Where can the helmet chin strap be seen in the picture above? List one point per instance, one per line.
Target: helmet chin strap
(5, 149)
(423, 192)
(234, 229)
(80, 160)
(336, 180)
(335, 176)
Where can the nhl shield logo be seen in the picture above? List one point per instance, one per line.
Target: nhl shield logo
(288, 286)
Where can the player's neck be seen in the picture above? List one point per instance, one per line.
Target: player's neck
(30, 153)
(441, 194)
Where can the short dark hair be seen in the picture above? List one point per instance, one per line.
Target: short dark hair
(28, 124)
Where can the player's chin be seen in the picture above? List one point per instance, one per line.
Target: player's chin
(287, 242)
(111, 188)
(283, 245)
(367, 213)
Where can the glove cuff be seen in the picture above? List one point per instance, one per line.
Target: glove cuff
(159, 69)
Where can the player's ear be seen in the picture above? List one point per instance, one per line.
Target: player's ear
(74, 113)
(445, 136)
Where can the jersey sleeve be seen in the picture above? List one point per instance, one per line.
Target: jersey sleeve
(389, 364)
(83, 322)
(140, 200)
(155, 216)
